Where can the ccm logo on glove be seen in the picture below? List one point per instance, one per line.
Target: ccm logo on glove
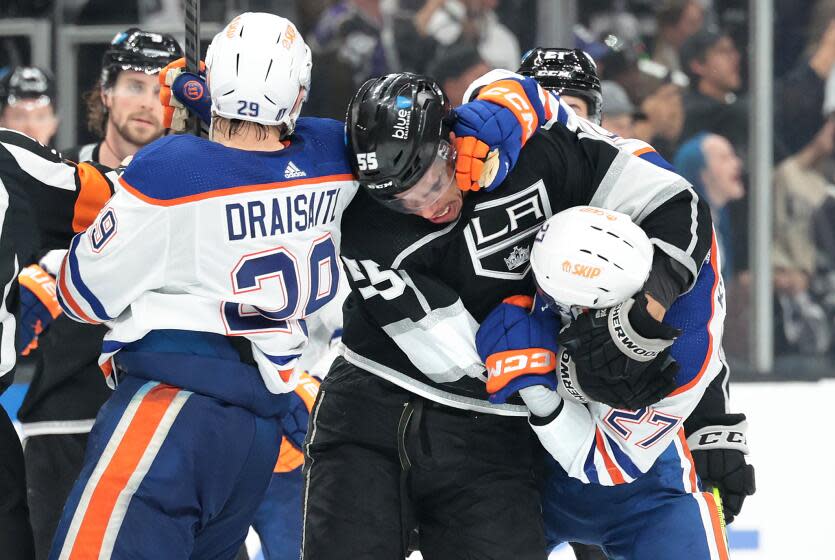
(503, 366)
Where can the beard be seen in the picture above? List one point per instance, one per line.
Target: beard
(137, 134)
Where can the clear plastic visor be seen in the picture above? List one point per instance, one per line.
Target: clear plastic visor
(432, 186)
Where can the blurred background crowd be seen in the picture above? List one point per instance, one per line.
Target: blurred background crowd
(675, 73)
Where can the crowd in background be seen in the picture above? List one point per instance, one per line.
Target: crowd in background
(674, 74)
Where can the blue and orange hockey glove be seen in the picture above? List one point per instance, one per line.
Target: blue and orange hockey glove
(491, 130)
(182, 92)
(518, 347)
(38, 307)
(291, 455)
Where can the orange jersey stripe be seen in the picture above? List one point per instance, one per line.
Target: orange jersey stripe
(235, 190)
(155, 403)
(611, 468)
(642, 151)
(68, 299)
(718, 534)
(683, 439)
(93, 194)
(715, 264)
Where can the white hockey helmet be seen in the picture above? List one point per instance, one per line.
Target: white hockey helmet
(256, 67)
(590, 257)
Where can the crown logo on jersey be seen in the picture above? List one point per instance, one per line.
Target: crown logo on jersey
(292, 171)
(518, 256)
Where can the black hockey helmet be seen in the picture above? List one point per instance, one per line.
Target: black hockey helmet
(27, 83)
(398, 128)
(141, 51)
(566, 71)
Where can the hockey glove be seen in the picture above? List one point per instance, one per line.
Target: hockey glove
(182, 92)
(620, 354)
(492, 129)
(719, 452)
(303, 397)
(38, 307)
(519, 349)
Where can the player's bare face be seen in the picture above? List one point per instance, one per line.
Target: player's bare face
(447, 208)
(135, 113)
(435, 197)
(578, 104)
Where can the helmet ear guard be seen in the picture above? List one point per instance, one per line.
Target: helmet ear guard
(590, 257)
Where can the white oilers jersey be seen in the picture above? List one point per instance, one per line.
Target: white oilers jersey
(598, 444)
(202, 237)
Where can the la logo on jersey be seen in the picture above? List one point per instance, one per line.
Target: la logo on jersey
(292, 171)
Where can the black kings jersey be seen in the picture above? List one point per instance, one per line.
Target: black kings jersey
(419, 290)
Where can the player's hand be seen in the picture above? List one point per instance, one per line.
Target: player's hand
(621, 354)
(303, 397)
(38, 307)
(719, 452)
(518, 348)
(181, 92)
(492, 129)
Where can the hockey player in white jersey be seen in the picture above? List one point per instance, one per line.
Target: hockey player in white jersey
(204, 265)
(620, 478)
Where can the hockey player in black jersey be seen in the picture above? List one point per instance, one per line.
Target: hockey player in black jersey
(403, 433)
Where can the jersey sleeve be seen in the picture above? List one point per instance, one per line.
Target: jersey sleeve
(62, 198)
(423, 316)
(8, 273)
(598, 444)
(120, 256)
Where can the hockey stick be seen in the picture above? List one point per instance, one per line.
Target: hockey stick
(192, 52)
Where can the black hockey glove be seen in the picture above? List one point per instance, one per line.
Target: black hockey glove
(620, 354)
(719, 452)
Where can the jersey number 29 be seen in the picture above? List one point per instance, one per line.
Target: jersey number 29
(279, 263)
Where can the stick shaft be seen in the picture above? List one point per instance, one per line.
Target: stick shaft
(192, 49)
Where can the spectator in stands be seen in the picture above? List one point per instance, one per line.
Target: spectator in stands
(709, 162)
(455, 68)
(27, 103)
(664, 117)
(348, 48)
(452, 21)
(801, 189)
(678, 20)
(800, 95)
(711, 61)
(618, 110)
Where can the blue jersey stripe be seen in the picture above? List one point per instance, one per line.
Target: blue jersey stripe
(282, 360)
(81, 288)
(656, 159)
(66, 308)
(622, 459)
(589, 468)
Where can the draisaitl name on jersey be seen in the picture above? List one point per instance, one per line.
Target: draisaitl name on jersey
(281, 215)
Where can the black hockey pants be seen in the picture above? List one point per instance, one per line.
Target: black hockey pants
(381, 461)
